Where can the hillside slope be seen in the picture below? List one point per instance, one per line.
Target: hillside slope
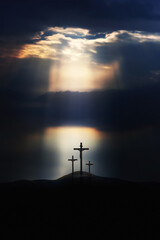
(83, 208)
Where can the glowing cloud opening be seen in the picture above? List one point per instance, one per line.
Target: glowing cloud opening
(74, 59)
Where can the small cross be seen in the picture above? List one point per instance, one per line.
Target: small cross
(89, 166)
(72, 160)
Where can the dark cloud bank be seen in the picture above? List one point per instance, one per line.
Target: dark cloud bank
(21, 19)
(130, 117)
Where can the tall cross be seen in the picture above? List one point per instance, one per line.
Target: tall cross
(72, 160)
(89, 165)
(81, 149)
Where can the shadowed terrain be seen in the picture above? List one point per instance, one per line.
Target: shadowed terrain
(80, 208)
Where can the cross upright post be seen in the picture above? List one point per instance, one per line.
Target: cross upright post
(72, 160)
(81, 149)
(89, 166)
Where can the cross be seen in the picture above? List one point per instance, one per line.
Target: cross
(81, 149)
(89, 165)
(72, 160)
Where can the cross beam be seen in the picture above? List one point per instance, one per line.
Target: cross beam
(89, 166)
(81, 149)
(72, 160)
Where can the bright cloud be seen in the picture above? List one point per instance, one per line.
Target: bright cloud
(75, 42)
(37, 50)
(75, 52)
(70, 31)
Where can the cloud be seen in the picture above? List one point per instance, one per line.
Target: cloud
(130, 119)
(23, 21)
(77, 43)
(110, 110)
(138, 36)
(25, 18)
(70, 31)
(26, 76)
(37, 51)
(119, 59)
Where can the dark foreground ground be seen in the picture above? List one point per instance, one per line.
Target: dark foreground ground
(95, 208)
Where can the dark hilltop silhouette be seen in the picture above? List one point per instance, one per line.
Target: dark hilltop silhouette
(80, 206)
(90, 208)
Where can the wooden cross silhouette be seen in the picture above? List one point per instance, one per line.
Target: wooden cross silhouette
(81, 149)
(89, 166)
(72, 160)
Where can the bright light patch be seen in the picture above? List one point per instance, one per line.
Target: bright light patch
(74, 52)
(64, 139)
(80, 76)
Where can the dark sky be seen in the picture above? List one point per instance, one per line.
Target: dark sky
(123, 36)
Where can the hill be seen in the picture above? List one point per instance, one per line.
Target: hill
(80, 208)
